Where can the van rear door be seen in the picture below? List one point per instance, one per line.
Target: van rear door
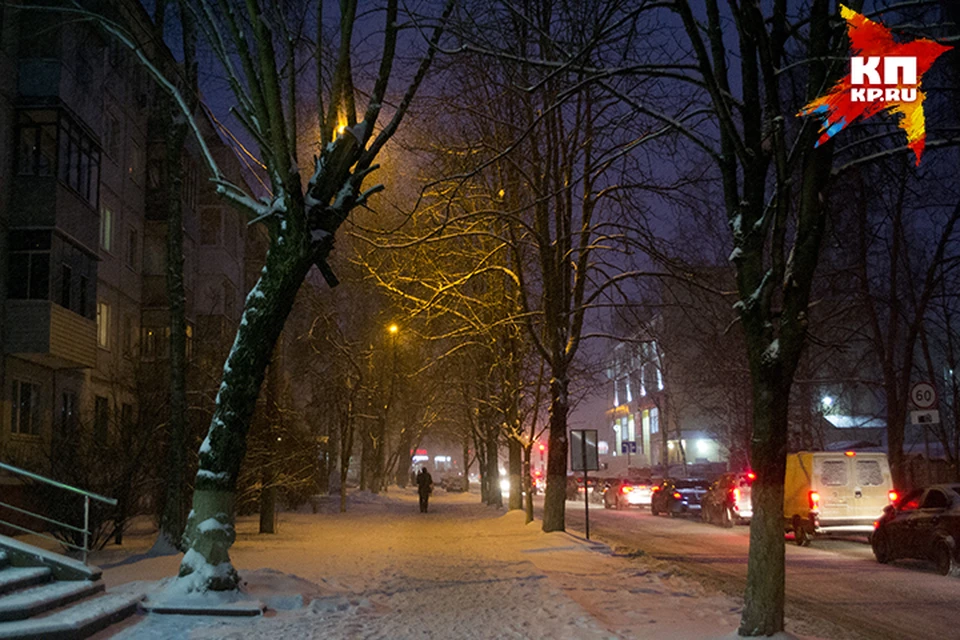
(835, 477)
(873, 484)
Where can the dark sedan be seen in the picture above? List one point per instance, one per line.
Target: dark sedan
(728, 502)
(925, 525)
(678, 497)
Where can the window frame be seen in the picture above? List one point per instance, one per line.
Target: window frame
(16, 415)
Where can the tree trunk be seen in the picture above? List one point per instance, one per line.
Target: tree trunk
(210, 528)
(268, 508)
(403, 460)
(528, 483)
(764, 596)
(517, 485)
(173, 519)
(896, 421)
(495, 497)
(555, 499)
(466, 462)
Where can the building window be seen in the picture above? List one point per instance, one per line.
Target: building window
(79, 161)
(113, 137)
(82, 296)
(37, 153)
(132, 245)
(66, 286)
(135, 166)
(155, 342)
(103, 324)
(129, 333)
(25, 412)
(126, 416)
(106, 229)
(101, 419)
(30, 261)
(69, 418)
(654, 420)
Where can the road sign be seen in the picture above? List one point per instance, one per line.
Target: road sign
(923, 395)
(583, 450)
(628, 447)
(925, 417)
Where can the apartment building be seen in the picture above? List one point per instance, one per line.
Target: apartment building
(83, 237)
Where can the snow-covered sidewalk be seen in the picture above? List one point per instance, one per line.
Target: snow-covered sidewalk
(384, 570)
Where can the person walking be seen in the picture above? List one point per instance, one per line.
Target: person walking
(424, 488)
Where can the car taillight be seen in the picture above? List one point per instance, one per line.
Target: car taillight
(677, 495)
(751, 476)
(814, 500)
(736, 494)
(626, 489)
(656, 488)
(876, 523)
(892, 495)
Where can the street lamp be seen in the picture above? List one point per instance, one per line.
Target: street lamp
(393, 328)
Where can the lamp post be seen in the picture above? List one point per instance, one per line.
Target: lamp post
(394, 330)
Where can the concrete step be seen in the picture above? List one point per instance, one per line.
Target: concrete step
(27, 603)
(16, 578)
(4, 559)
(26, 555)
(76, 622)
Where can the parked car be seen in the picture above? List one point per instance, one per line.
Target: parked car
(835, 492)
(925, 525)
(452, 484)
(623, 493)
(728, 501)
(678, 497)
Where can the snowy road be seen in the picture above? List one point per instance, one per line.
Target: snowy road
(836, 580)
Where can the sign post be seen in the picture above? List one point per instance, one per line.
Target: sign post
(583, 457)
(627, 447)
(923, 395)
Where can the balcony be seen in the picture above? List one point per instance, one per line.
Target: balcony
(48, 334)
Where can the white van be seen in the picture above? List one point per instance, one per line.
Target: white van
(835, 492)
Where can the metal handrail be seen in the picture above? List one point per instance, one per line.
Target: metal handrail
(23, 472)
(87, 495)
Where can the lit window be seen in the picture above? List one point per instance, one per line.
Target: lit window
(106, 229)
(103, 325)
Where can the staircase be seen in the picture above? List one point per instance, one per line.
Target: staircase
(46, 595)
(50, 599)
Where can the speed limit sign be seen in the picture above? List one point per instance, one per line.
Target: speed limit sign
(923, 395)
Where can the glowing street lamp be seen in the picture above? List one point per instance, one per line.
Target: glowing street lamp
(393, 328)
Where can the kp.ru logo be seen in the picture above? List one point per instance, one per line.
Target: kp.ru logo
(885, 75)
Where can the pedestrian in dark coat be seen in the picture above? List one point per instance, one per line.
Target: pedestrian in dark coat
(424, 488)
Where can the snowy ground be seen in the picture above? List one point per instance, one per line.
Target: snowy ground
(384, 570)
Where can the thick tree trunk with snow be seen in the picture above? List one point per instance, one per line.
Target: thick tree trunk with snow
(210, 526)
(554, 501)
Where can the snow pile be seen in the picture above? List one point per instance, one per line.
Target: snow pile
(464, 570)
